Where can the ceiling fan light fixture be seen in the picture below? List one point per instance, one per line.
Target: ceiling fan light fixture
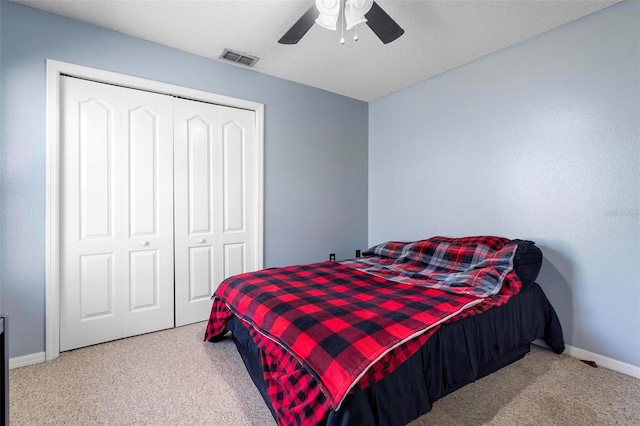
(329, 11)
(354, 12)
(326, 13)
(327, 21)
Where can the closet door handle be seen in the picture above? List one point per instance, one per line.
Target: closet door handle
(202, 240)
(144, 243)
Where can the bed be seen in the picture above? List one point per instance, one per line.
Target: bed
(377, 340)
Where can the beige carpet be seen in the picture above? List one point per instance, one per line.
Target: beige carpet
(172, 377)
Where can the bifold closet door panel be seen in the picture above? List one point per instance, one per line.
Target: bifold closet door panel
(215, 189)
(90, 219)
(147, 200)
(116, 215)
(196, 207)
(239, 192)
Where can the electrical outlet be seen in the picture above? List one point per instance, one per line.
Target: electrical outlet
(358, 253)
(332, 257)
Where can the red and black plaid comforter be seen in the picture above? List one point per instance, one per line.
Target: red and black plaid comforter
(336, 322)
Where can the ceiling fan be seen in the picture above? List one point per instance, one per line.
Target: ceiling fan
(325, 13)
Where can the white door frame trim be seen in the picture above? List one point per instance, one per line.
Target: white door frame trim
(56, 69)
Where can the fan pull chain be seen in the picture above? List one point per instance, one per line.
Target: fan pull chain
(343, 5)
(355, 37)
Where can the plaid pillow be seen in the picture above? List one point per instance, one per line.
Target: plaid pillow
(414, 250)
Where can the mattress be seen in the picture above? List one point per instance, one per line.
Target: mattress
(458, 353)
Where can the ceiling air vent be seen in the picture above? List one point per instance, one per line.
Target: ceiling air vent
(239, 58)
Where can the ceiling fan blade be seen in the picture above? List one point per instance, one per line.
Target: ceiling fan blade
(301, 27)
(382, 25)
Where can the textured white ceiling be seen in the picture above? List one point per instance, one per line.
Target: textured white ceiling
(439, 35)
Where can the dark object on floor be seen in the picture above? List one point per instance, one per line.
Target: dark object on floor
(590, 363)
(4, 367)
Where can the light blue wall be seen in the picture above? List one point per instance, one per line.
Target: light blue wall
(315, 152)
(538, 141)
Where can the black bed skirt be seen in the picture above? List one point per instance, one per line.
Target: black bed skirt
(457, 354)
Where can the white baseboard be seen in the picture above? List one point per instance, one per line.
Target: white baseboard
(601, 360)
(23, 361)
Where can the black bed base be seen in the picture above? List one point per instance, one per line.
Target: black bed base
(457, 354)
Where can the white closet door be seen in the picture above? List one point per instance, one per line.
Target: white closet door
(238, 191)
(116, 216)
(147, 201)
(91, 261)
(215, 191)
